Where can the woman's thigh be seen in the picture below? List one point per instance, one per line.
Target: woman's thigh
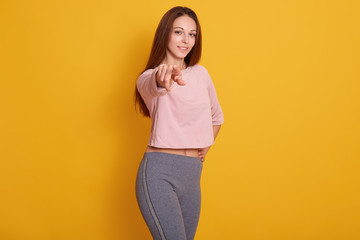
(159, 205)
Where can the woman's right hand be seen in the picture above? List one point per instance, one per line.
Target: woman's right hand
(167, 74)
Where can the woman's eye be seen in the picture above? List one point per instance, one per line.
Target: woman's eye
(178, 32)
(192, 34)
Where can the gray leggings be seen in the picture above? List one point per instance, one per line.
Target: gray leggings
(168, 194)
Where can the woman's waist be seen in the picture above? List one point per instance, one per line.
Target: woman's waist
(184, 151)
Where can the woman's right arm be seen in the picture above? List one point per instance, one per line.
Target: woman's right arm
(158, 81)
(146, 84)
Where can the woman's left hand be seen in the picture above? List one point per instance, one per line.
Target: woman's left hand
(203, 152)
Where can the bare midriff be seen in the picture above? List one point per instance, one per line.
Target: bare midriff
(184, 152)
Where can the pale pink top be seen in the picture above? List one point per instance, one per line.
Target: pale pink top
(183, 117)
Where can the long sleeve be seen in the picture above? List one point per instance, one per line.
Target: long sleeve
(216, 111)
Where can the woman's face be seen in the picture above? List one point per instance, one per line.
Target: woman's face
(182, 37)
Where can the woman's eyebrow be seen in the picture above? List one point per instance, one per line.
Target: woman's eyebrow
(184, 29)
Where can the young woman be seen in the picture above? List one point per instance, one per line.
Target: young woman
(179, 97)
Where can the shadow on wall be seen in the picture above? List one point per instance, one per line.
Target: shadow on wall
(132, 132)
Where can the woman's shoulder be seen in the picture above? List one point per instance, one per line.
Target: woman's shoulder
(198, 68)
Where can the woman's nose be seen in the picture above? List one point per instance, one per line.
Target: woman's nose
(186, 38)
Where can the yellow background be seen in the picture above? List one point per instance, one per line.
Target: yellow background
(285, 165)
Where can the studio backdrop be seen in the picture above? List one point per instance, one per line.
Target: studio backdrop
(285, 165)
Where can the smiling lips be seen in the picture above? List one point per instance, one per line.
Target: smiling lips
(183, 48)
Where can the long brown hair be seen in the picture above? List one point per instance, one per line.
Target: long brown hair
(161, 39)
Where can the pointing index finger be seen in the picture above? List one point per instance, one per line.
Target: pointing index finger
(176, 70)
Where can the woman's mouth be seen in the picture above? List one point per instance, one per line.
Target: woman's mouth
(183, 48)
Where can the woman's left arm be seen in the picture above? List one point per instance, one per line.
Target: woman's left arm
(216, 129)
(203, 151)
(216, 112)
